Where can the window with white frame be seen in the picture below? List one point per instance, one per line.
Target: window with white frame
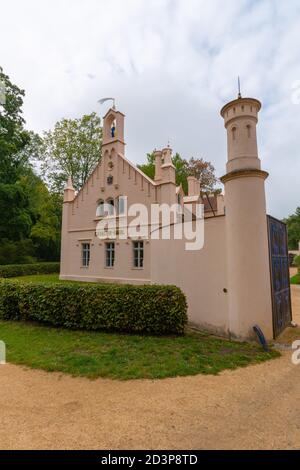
(138, 254)
(85, 254)
(109, 254)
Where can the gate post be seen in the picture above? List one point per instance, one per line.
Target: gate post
(249, 287)
(2, 352)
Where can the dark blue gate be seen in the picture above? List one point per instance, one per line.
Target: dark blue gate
(280, 276)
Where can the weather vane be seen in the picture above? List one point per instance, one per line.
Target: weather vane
(107, 99)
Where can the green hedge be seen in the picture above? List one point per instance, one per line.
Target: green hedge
(144, 309)
(14, 270)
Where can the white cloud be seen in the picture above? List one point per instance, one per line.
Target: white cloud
(171, 65)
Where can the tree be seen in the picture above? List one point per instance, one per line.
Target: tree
(149, 167)
(13, 136)
(45, 212)
(15, 213)
(73, 149)
(293, 228)
(30, 215)
(182, 173)
(204, 172)
(201, 169)
(31, 152)
(14, 208)
(45, 233)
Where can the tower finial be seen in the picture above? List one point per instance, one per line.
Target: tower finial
(239, 88)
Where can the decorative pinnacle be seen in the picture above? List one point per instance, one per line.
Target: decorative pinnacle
(69, 184)
(239, 88)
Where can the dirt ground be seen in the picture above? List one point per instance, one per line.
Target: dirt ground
(257, 407)
(293, 271)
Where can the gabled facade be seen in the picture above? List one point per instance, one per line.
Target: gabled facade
(86, 257)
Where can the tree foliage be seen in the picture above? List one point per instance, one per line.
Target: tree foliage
(72, 148)
(13, 136)
(149, 167)
(293, 228)
(198, 167)
(30, 214)
(204, 171)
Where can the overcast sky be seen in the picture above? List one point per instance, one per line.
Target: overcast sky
(171, 65)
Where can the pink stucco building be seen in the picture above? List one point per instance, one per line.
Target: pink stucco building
(227, 282)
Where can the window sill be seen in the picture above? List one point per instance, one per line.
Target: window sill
(109, 217)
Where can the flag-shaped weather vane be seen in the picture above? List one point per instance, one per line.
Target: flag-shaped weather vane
(107, 99)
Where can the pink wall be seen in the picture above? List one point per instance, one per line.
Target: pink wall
(202, 275)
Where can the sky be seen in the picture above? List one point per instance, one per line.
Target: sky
(171, 65)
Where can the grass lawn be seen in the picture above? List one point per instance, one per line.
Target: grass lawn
(117, 356)
(98, 354)
(295, 279)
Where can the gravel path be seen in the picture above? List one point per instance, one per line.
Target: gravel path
(296, 303)
(253, 408)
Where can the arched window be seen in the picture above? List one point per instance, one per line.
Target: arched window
(109, 207)
(110, 126)
(121, 205)
(105, 208)
(113, 129)
(248, 127)
(233, 131)
(100, 209)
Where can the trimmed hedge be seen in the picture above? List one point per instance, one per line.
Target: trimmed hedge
(14, 270)
(136, 309)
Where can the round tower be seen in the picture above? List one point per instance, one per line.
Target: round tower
(240, 120)
(249, 286)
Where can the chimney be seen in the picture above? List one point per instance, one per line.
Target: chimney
(168, 169)
(220, 204)
(193, 186)
(168, 178)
